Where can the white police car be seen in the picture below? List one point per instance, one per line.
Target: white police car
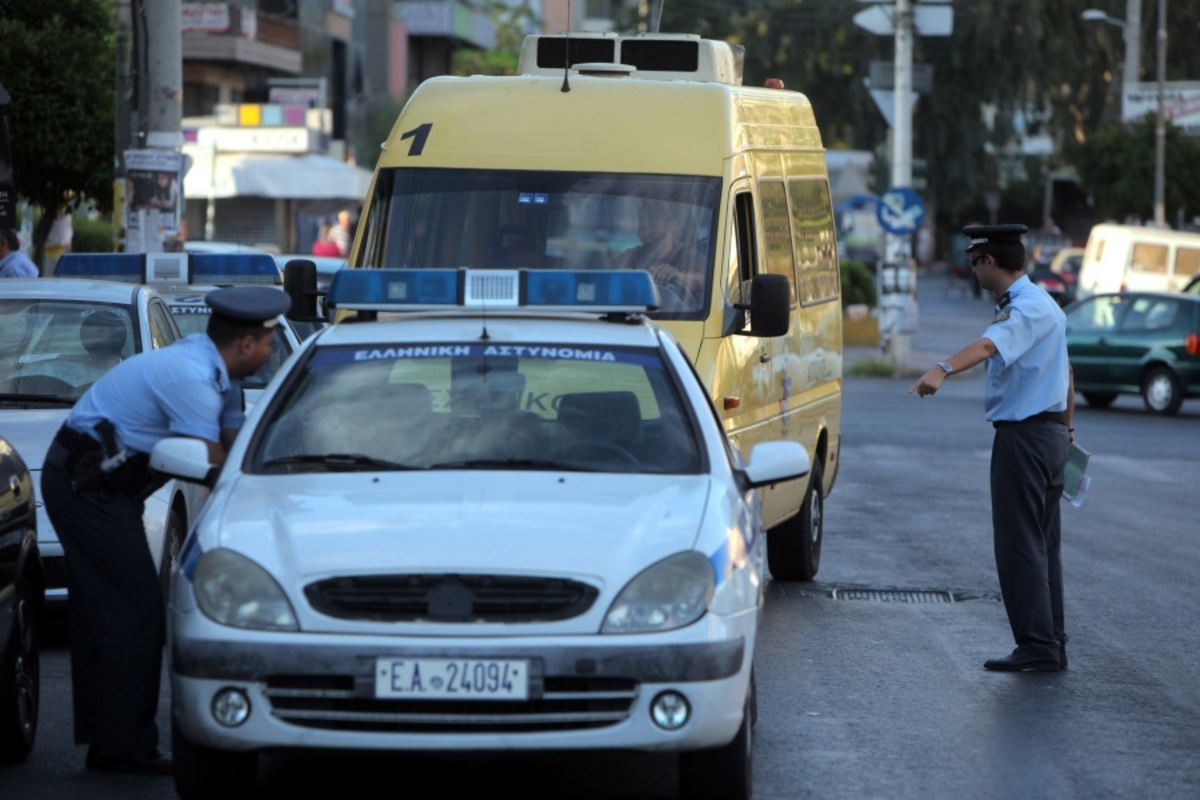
(57, 336)
(184, 279)
(507, 520)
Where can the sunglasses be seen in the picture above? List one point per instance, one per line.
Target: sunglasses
(976, 259)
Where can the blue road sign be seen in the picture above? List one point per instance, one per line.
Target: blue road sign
(900, 211)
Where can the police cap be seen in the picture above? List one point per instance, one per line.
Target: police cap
(249, 306)
(993, 234)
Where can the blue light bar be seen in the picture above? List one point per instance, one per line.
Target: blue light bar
(608, 290)
(229, 268)
(216, 269)
(495, 289)
(394, 289)
(125, 267)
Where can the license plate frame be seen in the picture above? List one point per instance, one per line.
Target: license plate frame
(460, 679)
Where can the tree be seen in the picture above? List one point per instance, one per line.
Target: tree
(58, 64)
(512, 22)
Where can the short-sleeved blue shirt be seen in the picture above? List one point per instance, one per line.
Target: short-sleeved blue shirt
(181, 390)
(1030, 372)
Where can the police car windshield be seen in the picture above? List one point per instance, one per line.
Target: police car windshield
(534, 219)
(476, 406)
(53, 350)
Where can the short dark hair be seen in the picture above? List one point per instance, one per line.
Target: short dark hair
(11, 239)
(1008, 256)
(224, 330)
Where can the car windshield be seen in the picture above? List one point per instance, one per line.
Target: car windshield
(53, 350)
(550, 220)
(472, 406)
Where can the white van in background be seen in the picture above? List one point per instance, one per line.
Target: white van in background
(1128, 257)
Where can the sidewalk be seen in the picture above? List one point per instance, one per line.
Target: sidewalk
(948, 318)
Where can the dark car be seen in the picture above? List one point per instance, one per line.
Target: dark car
(21, 601)
(1136, 343)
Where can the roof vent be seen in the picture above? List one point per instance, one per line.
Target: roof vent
(660, 56)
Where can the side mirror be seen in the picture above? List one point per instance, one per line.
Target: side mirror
(300, 284)
(775, 462)
(184, 458)
(770, 305)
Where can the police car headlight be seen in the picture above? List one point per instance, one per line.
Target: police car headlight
(670, 594)
(233, 590)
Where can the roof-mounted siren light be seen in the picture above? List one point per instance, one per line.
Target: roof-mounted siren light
(773, 83)
(653, 56)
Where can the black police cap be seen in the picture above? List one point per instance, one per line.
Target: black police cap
(249, 305)
(994, 234)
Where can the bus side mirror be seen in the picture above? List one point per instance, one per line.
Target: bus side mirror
(300, 284)
(770, 306)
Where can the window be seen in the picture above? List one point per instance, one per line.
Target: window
(1150, 258)
(813, 239)
(777, 232)
(1149, 314)
(1097, 315)
(1187, 261)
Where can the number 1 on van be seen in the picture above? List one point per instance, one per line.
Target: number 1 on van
(418, 135)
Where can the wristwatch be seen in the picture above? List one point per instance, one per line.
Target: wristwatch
(946, 368)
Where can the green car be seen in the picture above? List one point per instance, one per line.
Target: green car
(1143, 343)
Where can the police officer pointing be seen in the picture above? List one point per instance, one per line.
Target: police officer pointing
(1030, 400)
(94, 484)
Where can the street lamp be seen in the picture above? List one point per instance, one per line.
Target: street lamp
(1132, 27)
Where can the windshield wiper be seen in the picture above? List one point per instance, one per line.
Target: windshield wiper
(338, 462)
(16, 397)
(513, 463)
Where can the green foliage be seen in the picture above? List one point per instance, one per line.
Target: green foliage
(872, 368)
(382, 112)
(512, 23)
(57, 62)
(1119, 162)
(91, 236)
(858, 284)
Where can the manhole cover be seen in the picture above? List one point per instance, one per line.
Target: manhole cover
(893, 595)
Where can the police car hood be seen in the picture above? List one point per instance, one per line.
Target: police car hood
(30, 431)
(597, 527)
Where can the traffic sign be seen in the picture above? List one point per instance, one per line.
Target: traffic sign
(900, 211)
(928, 19)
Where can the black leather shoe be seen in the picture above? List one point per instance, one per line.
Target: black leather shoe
(153, 764)
(1018, 663)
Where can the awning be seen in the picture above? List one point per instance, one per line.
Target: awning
(283, 177)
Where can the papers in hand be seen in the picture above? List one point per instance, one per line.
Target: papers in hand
(1075, 477)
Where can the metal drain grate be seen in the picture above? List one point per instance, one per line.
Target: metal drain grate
(893, 595)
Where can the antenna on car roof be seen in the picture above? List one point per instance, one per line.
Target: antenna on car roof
(656, 19)
(566, 87)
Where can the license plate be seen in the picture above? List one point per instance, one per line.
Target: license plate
(452, 679)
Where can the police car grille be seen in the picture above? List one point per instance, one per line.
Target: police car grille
(451, 598)
(564, 703)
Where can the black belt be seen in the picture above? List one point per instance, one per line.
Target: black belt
(75, 445)
(1057, 417)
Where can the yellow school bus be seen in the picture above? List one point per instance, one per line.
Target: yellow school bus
(646, 153)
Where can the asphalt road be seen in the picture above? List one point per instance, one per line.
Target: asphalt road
(881, 698)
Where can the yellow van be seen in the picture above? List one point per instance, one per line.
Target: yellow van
(1130, 258)
(647, 153)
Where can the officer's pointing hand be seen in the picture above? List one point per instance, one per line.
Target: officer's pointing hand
(928, 383)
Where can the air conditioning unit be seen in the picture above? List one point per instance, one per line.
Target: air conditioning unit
(650, 56)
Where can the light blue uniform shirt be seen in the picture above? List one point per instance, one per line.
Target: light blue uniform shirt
(1030, 372)
(17, 265)
(181, 390)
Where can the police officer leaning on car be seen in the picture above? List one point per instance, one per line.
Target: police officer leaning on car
(94, 484)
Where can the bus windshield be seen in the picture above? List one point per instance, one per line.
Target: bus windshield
(510, 219)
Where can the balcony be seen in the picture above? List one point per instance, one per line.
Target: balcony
(223, 32)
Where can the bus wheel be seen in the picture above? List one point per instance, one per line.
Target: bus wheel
(794, 546)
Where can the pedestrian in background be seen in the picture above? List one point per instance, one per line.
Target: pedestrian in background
(95, 481)
(14, 263)
(342, 234)
(1030, 400)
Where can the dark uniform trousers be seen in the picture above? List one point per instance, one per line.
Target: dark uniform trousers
(1028, 459)
(115, 603)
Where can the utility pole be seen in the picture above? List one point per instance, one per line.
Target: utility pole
(1160, 125)
(899, 305)
(155, 133)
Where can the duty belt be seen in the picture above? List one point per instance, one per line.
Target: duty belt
(1058, 417)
